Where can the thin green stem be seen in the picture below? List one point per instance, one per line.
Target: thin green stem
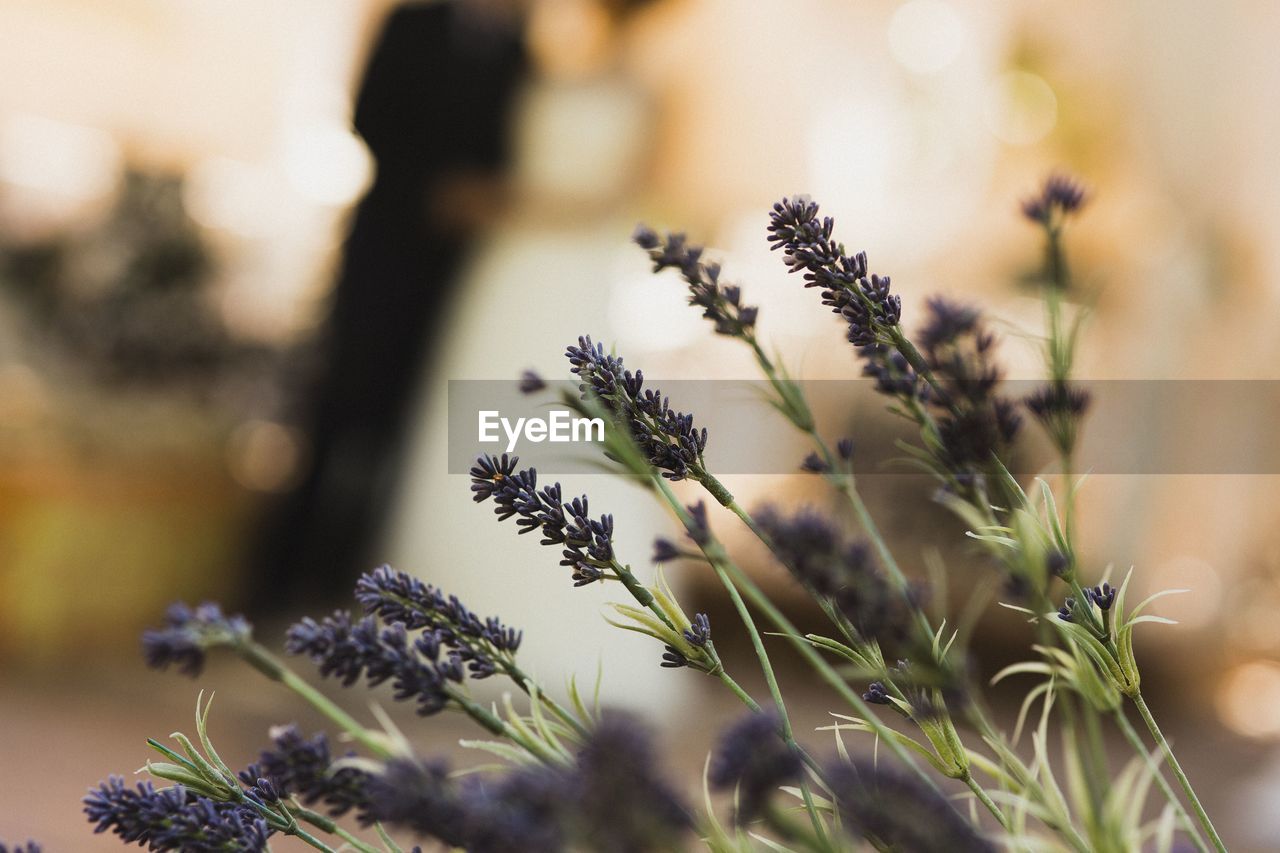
(273, 668)
(790, 830)
(326, 824)
(522, 680)
(766, 666)
(498, 726)
(985, 799)
(820, 665)
(1032, 788)
(1131, 735)
(302, 835)
(738, 691)
(1096, 754)
(1172, 761)
(506, 661)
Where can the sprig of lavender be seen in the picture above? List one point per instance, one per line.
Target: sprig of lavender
(189, 633)
(174, 819)
(588, 548)
(587, 542)
(753, 761)
(612, 796)
(668, 438)
(898, 812)
(304, 768)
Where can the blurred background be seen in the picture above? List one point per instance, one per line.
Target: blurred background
(244, 247)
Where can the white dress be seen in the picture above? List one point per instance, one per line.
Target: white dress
(537, 284)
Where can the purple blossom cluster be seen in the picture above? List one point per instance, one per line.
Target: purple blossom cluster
(862, 300)
(668, 438)
(587, 542)
(188, 633)
(174, 819)
(720, 303)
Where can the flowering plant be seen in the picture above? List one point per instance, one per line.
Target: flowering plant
(583, 778)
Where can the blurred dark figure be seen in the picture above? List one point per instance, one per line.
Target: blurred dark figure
(433, 108)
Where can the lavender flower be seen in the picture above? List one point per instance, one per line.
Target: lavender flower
(699, 633)
(588, 542)
(862, 301)
(699, 529)
(612, 798)
(815, 464)
(664, 551)
(524, 810)
(752, 757)
(673, 658)
(820, 557)
(173, 819)
(1067, 611)
(419, 796)
(1059, 197)
(889, 368)
(876, 694)
(720, 303)
(187, 635)
(302, 767)
(899, 812)
(1059, 407)
(1104, 596)
(668, 438)
(29, 847)
(973, 421)
(531, 383)
(621, 800)
(399, 598)
(348, 651)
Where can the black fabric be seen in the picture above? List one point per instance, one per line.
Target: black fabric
(434, 103)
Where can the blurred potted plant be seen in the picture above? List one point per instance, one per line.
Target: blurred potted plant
(120, 383)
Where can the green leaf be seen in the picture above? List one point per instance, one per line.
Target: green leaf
(503, 750)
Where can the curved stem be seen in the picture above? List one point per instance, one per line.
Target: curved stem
(1131, 735)
(1172, 761)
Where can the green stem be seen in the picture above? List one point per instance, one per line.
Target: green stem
(789, 830)
(498, 726)
(985, 799)
(302, 835)
(1097, 752)
(273, 668)
(1172, 761)
(820, 665)
(766, 666)
(1032, 788)
(738, 691)
(903, 345)
(506, 661)
(522, 680)
(326, 824)
(1131, 735)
